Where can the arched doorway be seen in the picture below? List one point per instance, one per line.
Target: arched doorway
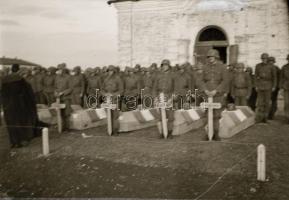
(211, 37)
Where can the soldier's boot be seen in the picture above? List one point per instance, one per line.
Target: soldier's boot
(170, 134)
(216, 136)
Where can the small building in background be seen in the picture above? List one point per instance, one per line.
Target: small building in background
(184, 30)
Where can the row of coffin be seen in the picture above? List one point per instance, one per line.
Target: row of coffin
(231, 123)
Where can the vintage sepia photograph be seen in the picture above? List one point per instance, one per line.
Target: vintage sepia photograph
(144, 99)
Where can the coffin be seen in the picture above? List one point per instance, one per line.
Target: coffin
(233, 122)
(138, 119)
(187, 120)
(85, 119)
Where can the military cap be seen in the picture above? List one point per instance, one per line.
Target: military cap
(213, 53)
(182, 67)
(77, 69)
(264, 56)
(61, 66)
(97, 69)
(166, 62)
(143, 69)
(111, 68)
(240, 65)
(154, 65)
(130, 69)
(137, 66)
(272, 59)
(51, 69)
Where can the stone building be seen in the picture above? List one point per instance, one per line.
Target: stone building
(184, 30)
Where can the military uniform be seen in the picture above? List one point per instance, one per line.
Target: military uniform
(214, 78)
(93, 83)
(284, 84)
(253, 97)
(241, 86)
(182, 88)
(165, 83)
(274, 96)
(231, 72)
(1, 77)
(63, 90)
(132, 87)
(77, 84)
(37, 85)
(48, 86)
(266, 80)
(113, 86)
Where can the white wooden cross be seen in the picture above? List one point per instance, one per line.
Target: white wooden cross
(58, 107)
(210, 105)
(162, 105)
(109, 106)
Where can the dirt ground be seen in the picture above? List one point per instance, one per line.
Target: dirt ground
(140, 165)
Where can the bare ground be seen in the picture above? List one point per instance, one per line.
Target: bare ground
(139, 165)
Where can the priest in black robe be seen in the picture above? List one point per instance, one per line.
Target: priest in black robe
(19, 108)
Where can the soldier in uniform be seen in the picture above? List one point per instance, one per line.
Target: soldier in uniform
(213, 83)
(93, 83)
(77, 84)
(253, 97)
(1, 77)
(284, 85)
(241, 85)
(275, 93)
(132, 87)
(37, 85)
(183, 86)
(266, 82)
(48, 86)
(113, 86)
(63, 91)
(154, 71)
(231, 71)
(165, 83)
(147, 89)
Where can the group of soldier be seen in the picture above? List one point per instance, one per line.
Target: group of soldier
(234, 84)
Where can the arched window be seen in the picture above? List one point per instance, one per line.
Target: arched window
(212, 34)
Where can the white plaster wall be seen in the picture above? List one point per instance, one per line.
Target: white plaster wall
(152, 30)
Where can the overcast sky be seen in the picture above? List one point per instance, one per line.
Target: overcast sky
(48, 32)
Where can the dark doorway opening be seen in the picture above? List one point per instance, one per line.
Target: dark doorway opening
(223, 53)
(211, 37)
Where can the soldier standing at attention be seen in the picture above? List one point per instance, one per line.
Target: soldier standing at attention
(1, 77)
(77, 84)
(93, 83)
(274, 98)
(113, 87)
(48, 86)
(37, 85)
(284, 85)
(213, 83)
(165, 83)
(131, 90)
(63, 91)
(231, 71)
(266, 82)
(241, 86)
(253, 97)
(183, 84)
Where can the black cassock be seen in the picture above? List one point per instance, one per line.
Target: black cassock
(20, 112)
